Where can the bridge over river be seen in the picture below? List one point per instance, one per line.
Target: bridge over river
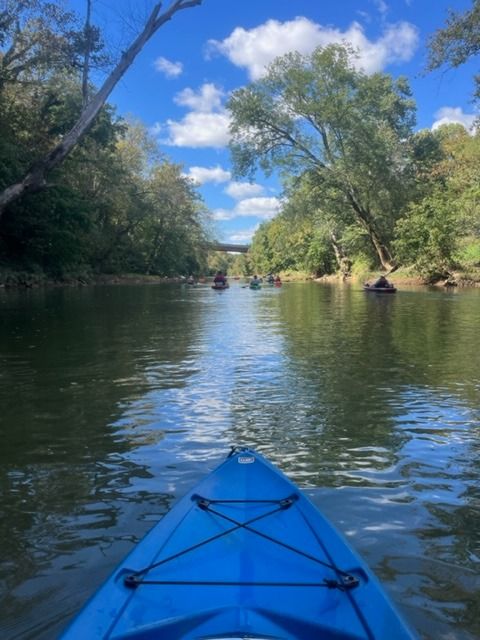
(231, 248)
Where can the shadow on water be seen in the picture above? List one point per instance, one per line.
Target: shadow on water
(126, 396)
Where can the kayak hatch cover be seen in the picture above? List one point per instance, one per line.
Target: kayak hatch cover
(244, 554)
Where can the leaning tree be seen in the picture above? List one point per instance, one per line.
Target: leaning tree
(35, 178)
(321, 114)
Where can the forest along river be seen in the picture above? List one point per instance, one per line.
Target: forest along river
(115, 400)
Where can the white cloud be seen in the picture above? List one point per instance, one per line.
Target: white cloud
(265, 208)
(254, 49)
(156, 129)
(206, 125)
(240, 190)
(261, 207)
(201, 175)
(223, 214)
(382, 6)
(451, 115)
(199, 129)
(243, 236)
(398, 44)
(169, 68)
(364, 15)
(207, 99)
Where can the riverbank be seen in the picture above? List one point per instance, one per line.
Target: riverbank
(27, 280)
(408, 276)
(404, 276)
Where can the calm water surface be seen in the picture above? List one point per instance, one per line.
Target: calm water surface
(115, 400)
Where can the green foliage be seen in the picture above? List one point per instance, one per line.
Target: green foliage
(319, 115)
(458, 41)
(115, 204)
(468, 252)
(219, 261)
(173, 232)
(50, 234)
(436, 234)
(38, 39)
(445, 219)
(319, 258)
(426, 236)
(240, 265)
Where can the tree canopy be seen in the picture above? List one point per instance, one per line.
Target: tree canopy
(457, 41)
(35, 177)
(320, 114)
(113, 203)
(361, 187)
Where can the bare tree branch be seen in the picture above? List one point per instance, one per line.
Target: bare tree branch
(86, 60)
(35, 178)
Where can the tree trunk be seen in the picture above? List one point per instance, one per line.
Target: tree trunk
(36, 177)
(153, 252)
(343, 261)
(383, 252)
(381, 249)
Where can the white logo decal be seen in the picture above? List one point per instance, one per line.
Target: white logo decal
(246, 459)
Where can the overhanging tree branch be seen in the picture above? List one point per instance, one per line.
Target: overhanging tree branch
(35, 178)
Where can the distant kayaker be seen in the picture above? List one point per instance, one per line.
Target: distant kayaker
(278, 280)
(220, 279)
(382, 283)
(190, 280)
(255, 280)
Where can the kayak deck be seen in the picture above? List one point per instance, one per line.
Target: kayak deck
(245, 554)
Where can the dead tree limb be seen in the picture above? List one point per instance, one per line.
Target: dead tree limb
(36, 177)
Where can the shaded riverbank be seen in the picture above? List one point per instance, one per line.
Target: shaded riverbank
(27, 280)
(407, 277)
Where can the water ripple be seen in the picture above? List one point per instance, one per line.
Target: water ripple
(126, 396)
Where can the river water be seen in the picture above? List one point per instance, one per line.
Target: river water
(115, 400)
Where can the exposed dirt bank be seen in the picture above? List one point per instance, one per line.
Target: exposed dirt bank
(407, 279)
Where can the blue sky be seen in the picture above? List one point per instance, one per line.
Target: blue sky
(180, 82)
